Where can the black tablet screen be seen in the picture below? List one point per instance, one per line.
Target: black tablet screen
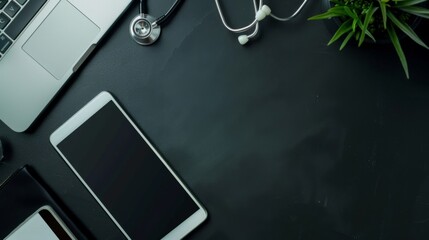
(126, 175)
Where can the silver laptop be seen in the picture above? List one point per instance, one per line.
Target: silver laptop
(42, 42)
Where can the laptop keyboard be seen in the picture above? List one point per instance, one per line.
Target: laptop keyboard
(14, 17)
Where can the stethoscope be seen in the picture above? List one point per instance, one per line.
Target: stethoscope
(261, 11)
(146, 29)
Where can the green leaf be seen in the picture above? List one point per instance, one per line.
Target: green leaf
(355, 21)
(368, 18)
(346, 40)
(383, 12)
(326, 15)
(406, 29)
(350, 12)
(408, 3)
(418, 11)
(398, 48)
(344, 28)
(336, 11)
(367, 32)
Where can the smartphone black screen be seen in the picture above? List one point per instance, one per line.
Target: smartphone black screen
(126, 175)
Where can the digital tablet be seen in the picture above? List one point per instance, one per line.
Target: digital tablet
(125, 173)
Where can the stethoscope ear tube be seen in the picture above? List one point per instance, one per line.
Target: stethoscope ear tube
(261, 12)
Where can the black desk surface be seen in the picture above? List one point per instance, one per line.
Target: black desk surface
(283, 139)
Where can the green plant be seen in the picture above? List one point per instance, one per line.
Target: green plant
(370, 19)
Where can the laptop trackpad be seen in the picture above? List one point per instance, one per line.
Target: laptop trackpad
(61, 39)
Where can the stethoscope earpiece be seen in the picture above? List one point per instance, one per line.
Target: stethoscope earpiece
(243, 39)
(263, 13)
(144, 29)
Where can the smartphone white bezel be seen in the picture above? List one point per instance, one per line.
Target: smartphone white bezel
(81, 117)
(54, 215)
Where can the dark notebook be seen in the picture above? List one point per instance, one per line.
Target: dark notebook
(21, 195)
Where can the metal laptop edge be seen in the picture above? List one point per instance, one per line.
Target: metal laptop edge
(26, 88)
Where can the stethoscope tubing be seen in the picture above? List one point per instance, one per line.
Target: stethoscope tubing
(291, 16)
(256, 22)
(242, 29)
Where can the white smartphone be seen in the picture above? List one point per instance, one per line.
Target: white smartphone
(125, 173)
(42, 224)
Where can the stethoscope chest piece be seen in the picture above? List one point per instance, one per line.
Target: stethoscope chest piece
(144, 30)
